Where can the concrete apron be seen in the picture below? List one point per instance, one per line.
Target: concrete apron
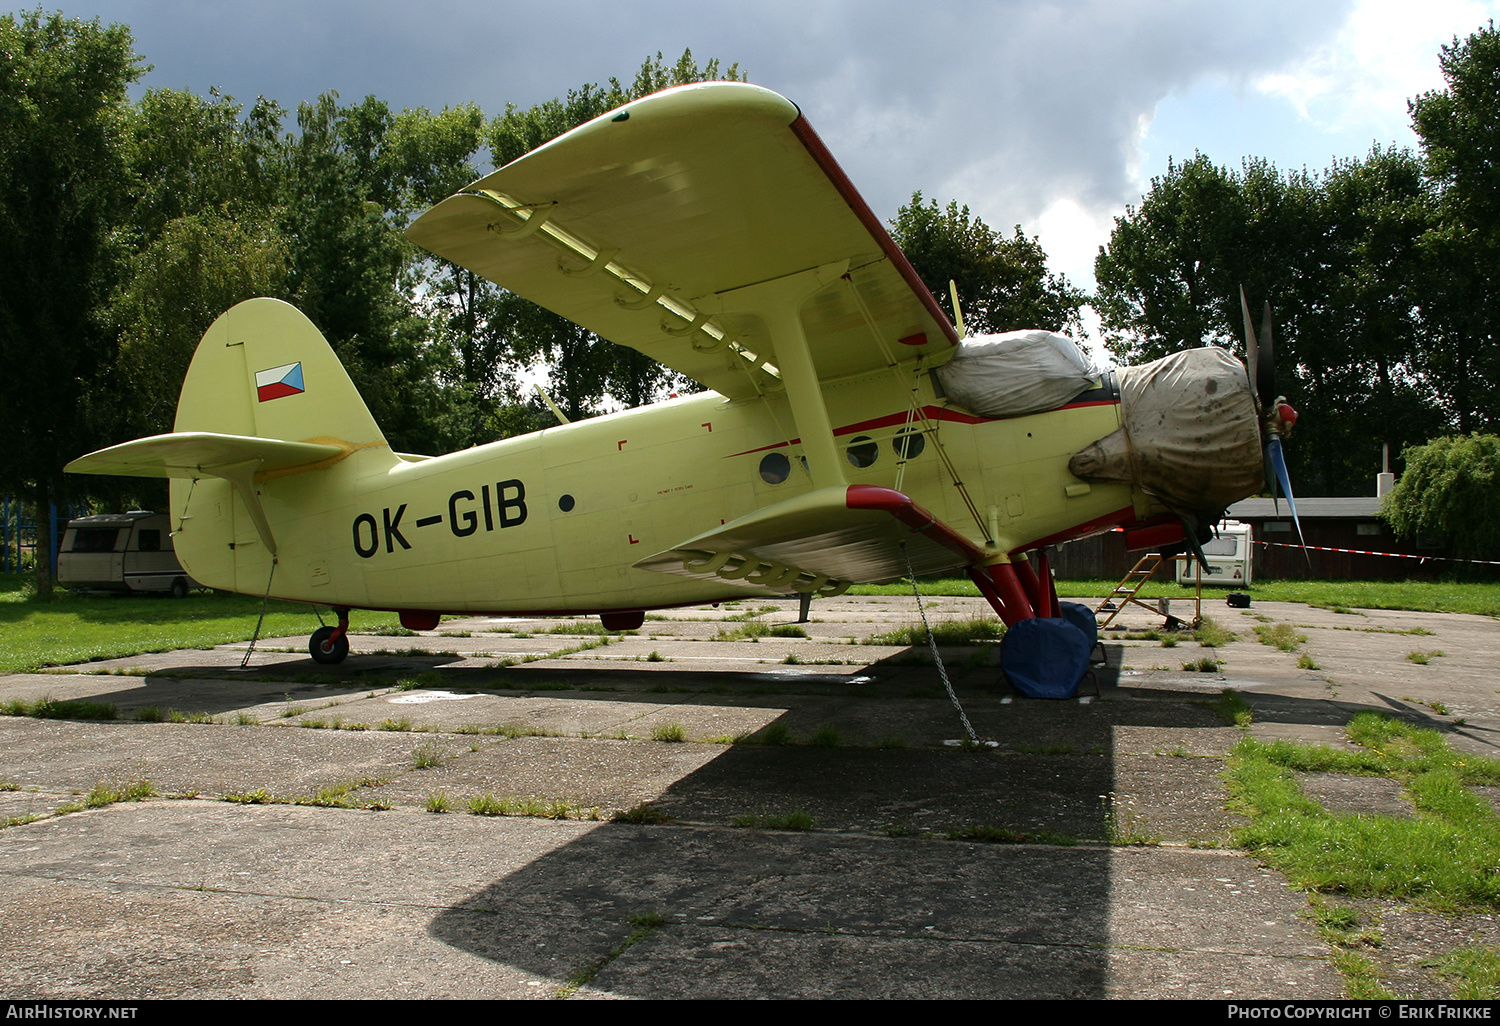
(368, 894)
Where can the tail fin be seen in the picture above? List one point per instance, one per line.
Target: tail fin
(263, 370)
(264, 397)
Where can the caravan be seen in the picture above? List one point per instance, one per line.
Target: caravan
(1229, 558)
(121, 552)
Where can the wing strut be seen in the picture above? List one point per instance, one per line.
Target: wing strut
(778, 304)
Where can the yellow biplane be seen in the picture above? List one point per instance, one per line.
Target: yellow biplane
(708, 227)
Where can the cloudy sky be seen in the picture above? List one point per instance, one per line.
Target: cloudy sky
(1050, 115)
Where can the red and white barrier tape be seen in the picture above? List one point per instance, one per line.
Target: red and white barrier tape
(1365, 552)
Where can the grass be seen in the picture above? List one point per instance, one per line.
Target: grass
(1473, 972)
(1307, 662)
(1212, 634)
(538, 808)
(334, 796)
(48, 708)
(644, 926)
(1443, 857)
(644, 813)
(775, 734)
(1281, 636)
(1003, 835)
(952, 632)
(1207, 664)
(439, 801)
(754, 630)
(672, 732)
(428, 679)
(1422, 658)
(585, 628)
(1360, 980)
(81, 628)
(427, 755)
(824, 737)
(1122, 825)
(104, 794)
(797, 819)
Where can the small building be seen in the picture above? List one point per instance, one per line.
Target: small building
(1350, 524)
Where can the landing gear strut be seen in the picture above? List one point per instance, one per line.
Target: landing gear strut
(330, 645)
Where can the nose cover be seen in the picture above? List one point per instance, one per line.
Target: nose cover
(1189, 433)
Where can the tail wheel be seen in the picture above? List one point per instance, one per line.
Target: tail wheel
(325, 648)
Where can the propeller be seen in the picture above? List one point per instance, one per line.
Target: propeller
(1276, 416)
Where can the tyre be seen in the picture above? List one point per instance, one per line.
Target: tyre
(325, 648)
(179, 589)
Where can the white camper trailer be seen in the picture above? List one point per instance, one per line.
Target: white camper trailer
(121, 552)
(1228, 555)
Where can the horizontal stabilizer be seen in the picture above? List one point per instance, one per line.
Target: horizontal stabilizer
(238, 459)
(199, 453)
(821, 542)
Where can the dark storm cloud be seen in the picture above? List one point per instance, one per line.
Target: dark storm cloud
(1006, 105)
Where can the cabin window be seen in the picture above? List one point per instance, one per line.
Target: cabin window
(95, 539)
(1276, 527)
(1366, 528)
(909, 444)
(862, 452)
(775, 468)
(150, 540)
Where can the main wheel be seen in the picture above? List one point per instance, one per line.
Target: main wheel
(327, 649)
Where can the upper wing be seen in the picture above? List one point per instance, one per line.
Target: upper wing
(630, 225)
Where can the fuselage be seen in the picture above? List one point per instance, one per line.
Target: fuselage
(554, 521)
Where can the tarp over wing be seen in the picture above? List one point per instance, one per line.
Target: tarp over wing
(631, 224)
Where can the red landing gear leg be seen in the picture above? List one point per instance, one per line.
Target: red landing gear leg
(999, 584)
(330, 645)
(1048, 585)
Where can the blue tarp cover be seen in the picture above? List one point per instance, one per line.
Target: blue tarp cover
(1045, 658)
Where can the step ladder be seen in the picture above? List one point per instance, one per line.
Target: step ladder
(1130, 585)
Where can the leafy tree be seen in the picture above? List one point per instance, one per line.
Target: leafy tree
(1170, 277)
(1003, 283)
(1339, 257)
(62, 105)
(1460, 131)
(197, 267)
(1449, 490)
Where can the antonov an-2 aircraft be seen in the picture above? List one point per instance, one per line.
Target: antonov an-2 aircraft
(848, 436)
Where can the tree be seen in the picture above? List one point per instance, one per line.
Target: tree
(1460, 131)
(62, 107)
(1339, 257)
(1169, 278)
(1003, 283)
(1449, 491)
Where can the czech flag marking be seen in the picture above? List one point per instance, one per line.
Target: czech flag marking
(279, 381)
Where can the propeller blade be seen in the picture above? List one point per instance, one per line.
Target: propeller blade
(1249, 341)
(1265, 369)
(1277, 460)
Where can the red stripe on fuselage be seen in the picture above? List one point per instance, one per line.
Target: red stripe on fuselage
(930, 412)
